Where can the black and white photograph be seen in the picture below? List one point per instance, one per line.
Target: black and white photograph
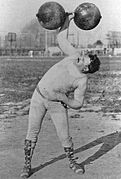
(60, 89)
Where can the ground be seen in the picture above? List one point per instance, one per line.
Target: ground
(96, 129)
(97, 142)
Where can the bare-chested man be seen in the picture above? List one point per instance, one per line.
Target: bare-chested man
(52, 95)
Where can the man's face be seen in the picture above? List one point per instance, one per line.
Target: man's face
(86, 60)
(83, 62)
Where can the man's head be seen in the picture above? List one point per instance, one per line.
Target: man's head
(88, 64)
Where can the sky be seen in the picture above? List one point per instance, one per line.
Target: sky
(14, 14)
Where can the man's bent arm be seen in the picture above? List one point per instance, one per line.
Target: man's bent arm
(79, 93)
(74, 104)
(71, 103)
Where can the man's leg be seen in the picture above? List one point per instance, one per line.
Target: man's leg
(59, 117)
(36, 115)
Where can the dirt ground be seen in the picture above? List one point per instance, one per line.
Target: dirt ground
(96, 129)
(97, 140)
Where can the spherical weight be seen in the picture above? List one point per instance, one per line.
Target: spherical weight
(87, 16)
(51, 15)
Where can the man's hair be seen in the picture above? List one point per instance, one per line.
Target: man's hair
(94, 65)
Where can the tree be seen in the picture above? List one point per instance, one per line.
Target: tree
(98, 43)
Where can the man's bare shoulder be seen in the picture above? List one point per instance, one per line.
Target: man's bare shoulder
(69, 59)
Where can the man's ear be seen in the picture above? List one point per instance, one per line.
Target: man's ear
(78, 60)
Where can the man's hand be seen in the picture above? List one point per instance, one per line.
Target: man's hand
(67, 21)
(71, 14)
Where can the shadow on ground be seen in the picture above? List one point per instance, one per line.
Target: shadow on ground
(108, 143)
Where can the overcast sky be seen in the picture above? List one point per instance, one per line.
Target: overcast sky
(14, 14)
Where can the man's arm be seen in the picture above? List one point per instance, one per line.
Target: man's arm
(63, 42)
(79, 93)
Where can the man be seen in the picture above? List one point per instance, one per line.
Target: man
(52, 95)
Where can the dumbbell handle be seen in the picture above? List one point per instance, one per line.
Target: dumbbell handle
(69, 13)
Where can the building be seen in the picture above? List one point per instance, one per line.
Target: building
(113, 39)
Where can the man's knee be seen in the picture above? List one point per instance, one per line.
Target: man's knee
(66, 141)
